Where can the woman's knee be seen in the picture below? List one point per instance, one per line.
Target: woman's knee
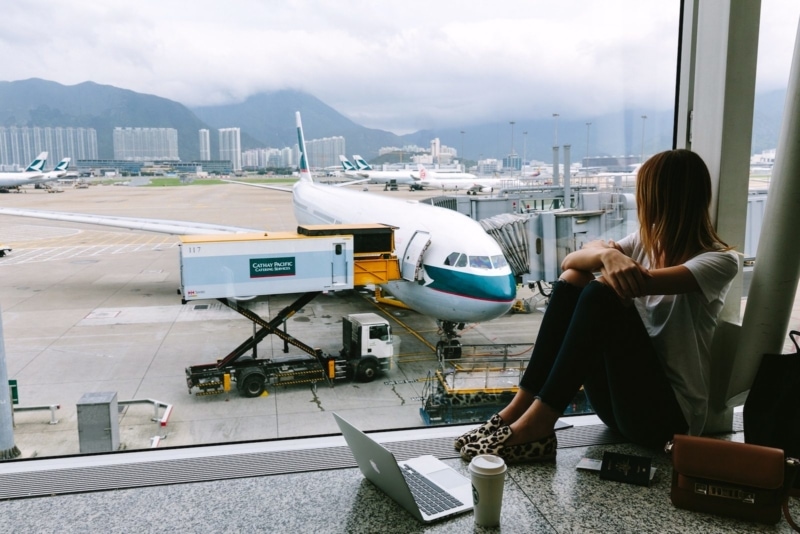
(577, 278)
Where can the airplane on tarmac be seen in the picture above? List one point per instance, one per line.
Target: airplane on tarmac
(452, 270)
(33, 172)
(470, 186)
(58, 171)
(348, 168)
(424, 174)
(455, 181)
(365, 170)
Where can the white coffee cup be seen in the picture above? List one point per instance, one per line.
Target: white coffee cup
(488, 473)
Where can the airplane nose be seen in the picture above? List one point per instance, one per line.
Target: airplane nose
(500, 288)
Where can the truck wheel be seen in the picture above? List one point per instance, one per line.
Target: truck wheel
(367, 370)
(251, 382)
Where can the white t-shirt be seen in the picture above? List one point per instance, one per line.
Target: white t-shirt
(682, 326)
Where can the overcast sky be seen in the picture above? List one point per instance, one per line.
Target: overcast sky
(398, 66)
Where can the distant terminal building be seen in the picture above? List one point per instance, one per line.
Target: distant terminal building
(205, 144)
(222, 168)
(325, 152)
(230, 147)
(102, 167)
(19, 145)
(142, 144)
(611, 163)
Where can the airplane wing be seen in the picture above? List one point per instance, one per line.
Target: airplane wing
(161, 226)
(262, 186)
(289, 189)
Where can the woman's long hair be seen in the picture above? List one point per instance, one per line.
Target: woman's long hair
(673, 194)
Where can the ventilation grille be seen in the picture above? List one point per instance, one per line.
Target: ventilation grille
(199, 469)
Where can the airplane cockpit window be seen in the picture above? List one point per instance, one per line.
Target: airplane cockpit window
(480, 262)
(499, 261)
(452, 258)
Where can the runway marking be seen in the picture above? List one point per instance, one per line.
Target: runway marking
(38, 244)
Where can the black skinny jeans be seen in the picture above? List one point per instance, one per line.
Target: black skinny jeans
(589, 338)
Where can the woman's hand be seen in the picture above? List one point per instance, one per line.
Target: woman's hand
(626, 277)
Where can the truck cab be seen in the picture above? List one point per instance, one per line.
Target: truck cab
(368, 345)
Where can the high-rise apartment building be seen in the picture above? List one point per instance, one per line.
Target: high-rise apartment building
(205, 145)
(143, 144)
(19, 145)
(230, 147)
(325, 152)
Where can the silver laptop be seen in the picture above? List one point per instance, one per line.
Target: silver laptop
(425, 486)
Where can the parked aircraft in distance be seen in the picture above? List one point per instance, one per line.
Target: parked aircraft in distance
(424, 174)
(365, 170)
(470, 186)
(452, 270)
(348, 168)
(58, 171)
(32, 173)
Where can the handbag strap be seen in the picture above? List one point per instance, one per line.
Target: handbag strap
(793, 335)
(792, 466)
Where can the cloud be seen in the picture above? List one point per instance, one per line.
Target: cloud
(399, 66)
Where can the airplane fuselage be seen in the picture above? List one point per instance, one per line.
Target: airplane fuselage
(16, 179)
(382, 177)
(465, 277)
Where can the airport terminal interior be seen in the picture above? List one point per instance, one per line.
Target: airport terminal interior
(94, 319)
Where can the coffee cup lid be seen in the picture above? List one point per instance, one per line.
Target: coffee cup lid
(487, 464)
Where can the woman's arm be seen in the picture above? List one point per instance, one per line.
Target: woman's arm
(626, 277)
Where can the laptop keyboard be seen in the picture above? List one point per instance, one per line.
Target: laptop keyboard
(430, 498)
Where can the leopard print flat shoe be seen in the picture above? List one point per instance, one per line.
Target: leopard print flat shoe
(543, 450)
(486, 429)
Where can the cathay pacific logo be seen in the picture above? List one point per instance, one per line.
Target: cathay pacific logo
(265, 267)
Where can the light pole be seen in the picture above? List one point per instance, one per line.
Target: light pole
(641, 158)
(588, 127)
(586, 161)
(462, 151)
(511, 154)
(524, 148)
(555, 132)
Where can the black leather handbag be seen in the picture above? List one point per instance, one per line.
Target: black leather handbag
(771, 412)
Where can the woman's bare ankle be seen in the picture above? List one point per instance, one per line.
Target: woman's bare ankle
(538, 422)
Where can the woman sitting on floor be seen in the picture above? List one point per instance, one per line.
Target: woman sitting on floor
(638, 336)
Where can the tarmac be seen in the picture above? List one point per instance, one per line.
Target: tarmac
(89, 309)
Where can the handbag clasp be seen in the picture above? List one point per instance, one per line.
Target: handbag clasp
(725, 492)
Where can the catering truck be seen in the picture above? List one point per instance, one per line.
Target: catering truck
(236, 268)
(366, 351)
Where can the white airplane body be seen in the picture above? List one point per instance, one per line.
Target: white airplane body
(58, 171)
(470, 185)
(425, 174)
(365, 170)
(32, 173)
(452, 269)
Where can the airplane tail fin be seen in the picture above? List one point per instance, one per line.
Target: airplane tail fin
(346, 165)
(63, 165)
(305, 171)
(361, 163)
(37, 165)
(423, 173)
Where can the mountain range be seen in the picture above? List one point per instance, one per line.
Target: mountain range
(267, 120)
